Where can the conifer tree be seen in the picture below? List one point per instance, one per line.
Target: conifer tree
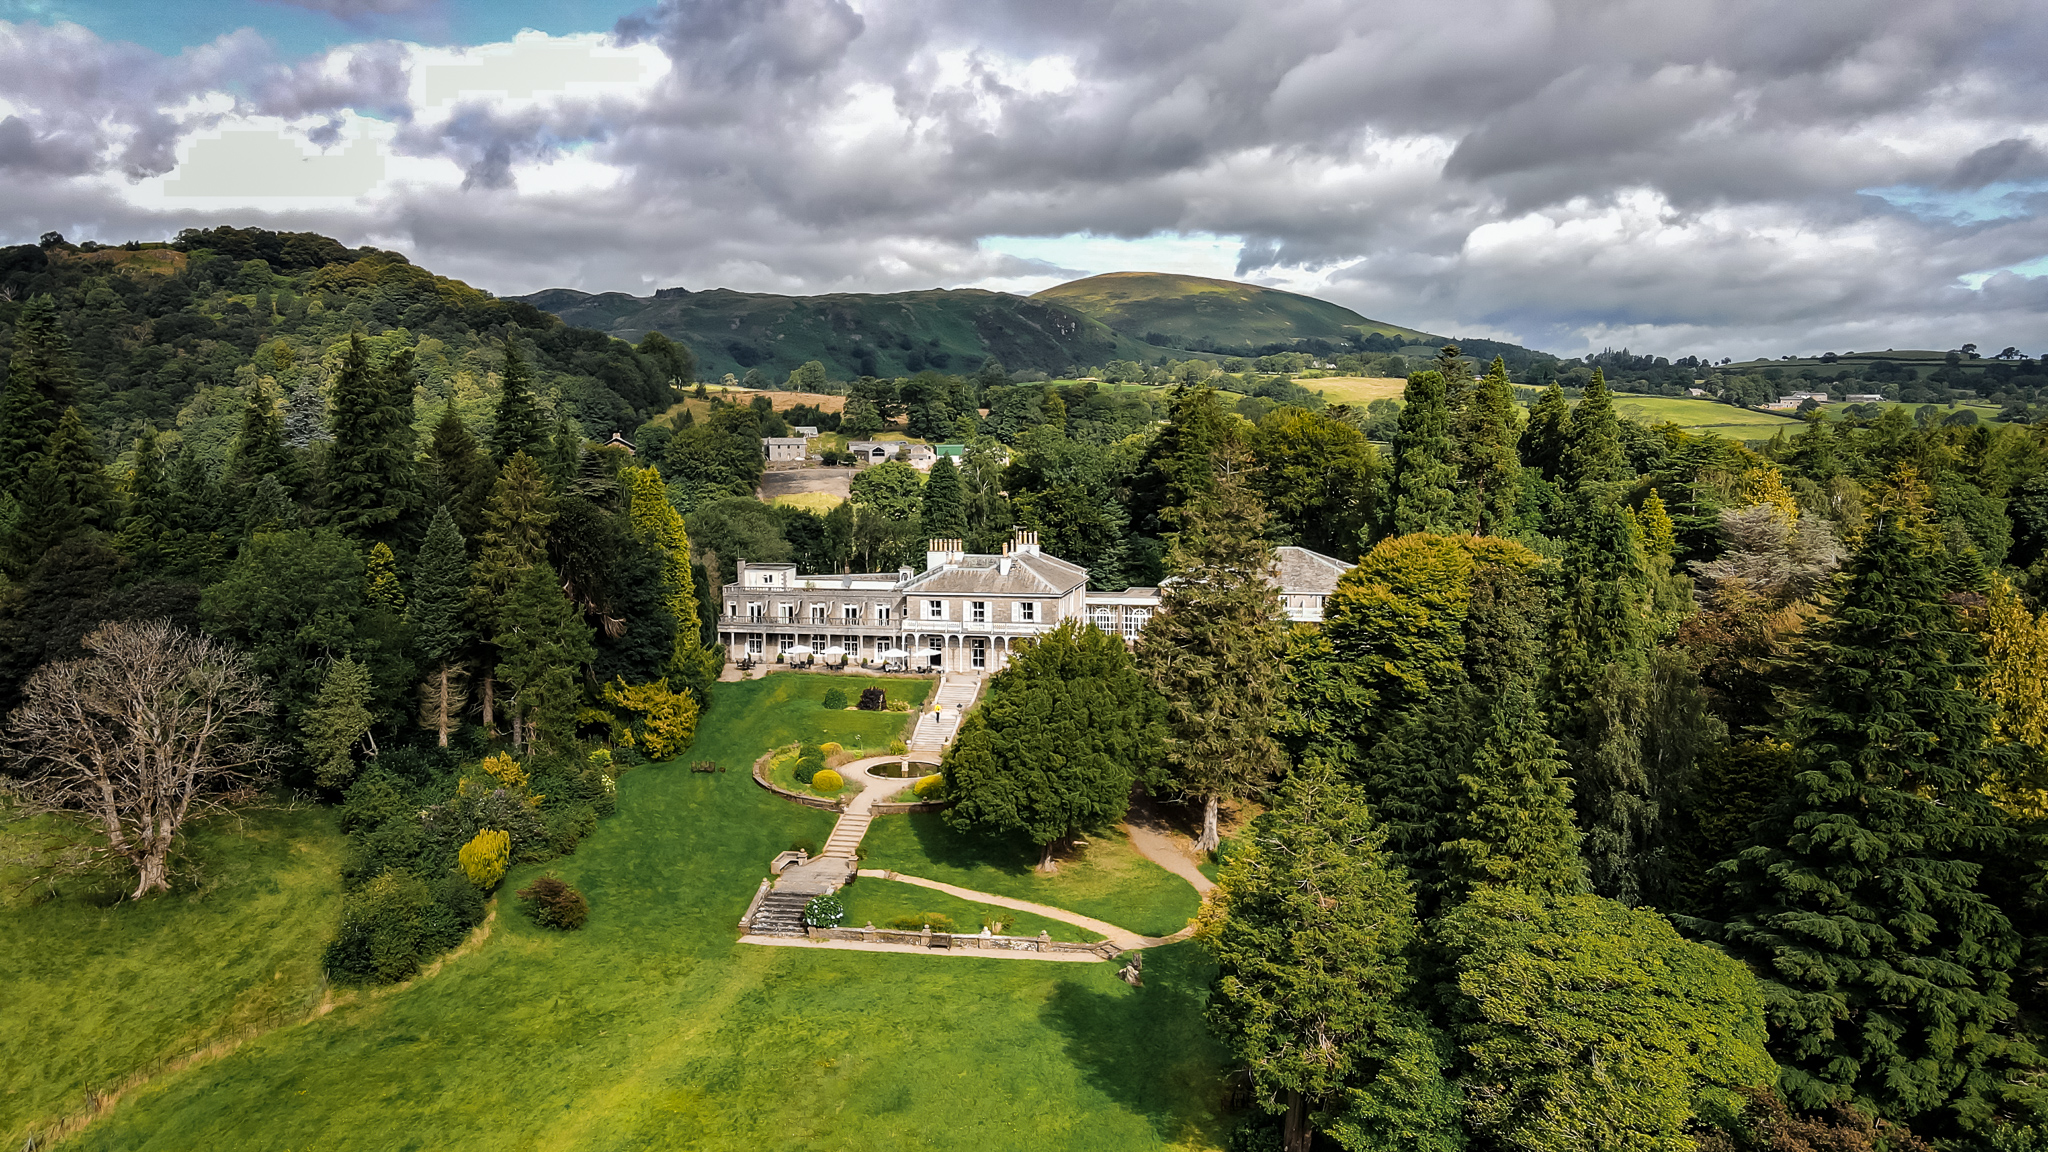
(1592, 451)
(339, 718)
(660, 528)
(1310, 930)
(40, 382)
(515, 529)
(259, 449)
(1423, 471)
(944, 513)
(519, 425)
(1213, 651)
(438, 613)
(305, 415)
(458, 475)
(192, 543)
(67, 490)
(515, 539)
(1489, 473)
(1179, 464)
(148, 505)
(1887, 971)
(372, 481)
(563, 458)
(1599, 696)
(380, 581)
(1543, 441)
(543, 642)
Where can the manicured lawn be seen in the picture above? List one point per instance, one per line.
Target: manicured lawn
(1108, 880)
(92, 988)
(879, 902)
(653, 1028)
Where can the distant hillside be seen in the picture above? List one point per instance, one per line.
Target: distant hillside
(1221, 315)
(852, 334)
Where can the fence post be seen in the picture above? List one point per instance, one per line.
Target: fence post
(1044, 938)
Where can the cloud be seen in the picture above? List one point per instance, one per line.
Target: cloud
(356, 10)
(1728, 177)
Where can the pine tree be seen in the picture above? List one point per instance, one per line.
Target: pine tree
(67, 490)
(193, 543)
(438, 613)
(1423, 471)
(372, 481)
(380, 581)
(1489, 473)
(1179, 463)
(1592, 450)
(1310, 931)
(519, 425)
(259, 449)
(1543, 441)
(543, 643)
(1213, 651)
(1887, 971)
(148, 513)
(40, 383)
(660, 527)
(945, 511)
(305, 415)
(337, 721)
(1599, 696)
(515, 529)
(564, 456)
(457, 473)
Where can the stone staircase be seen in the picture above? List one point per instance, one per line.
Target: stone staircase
(952, 696)
(781, 914)
(846, 835)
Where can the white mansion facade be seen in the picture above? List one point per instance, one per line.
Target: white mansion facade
(965, 611)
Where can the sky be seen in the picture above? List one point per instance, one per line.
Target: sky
(1719, 177)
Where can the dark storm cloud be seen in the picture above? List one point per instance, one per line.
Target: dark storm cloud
(1572, 172)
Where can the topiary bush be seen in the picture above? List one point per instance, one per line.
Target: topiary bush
(831, 748)
(810, 760)
(824, 912)
(873, 700)
(928, 787)
(937, 921)
(828, 781)
(834, 698)
(552, 904)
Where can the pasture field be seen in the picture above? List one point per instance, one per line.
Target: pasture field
(95, 987)
(1357, 391)
(653, 1028)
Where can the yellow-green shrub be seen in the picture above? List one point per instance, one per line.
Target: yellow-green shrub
(484, 858)
(831, 748)
(928, 785)
(828, 781)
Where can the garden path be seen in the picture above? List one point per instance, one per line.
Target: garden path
(1123, 938)
(1162, 848)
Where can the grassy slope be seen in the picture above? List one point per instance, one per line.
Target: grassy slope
(879, 902)
(94, 990)
(1697, 415)
(780, 332)
(652, 1028)
(1196, 308)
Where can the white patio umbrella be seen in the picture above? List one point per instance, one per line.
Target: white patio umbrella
(800, 650)
(892, 654)
(834, 650)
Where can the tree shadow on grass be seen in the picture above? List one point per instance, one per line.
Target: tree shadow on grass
(1149, 1048)
(942, 844)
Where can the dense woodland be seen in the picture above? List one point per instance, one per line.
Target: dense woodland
(1640, 789)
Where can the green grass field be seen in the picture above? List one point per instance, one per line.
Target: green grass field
(1696, 415)
(653, 1028)
(94, 988)
(882, 902)
(1107, 880)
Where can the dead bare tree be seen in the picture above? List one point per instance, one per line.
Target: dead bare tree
(156, 725)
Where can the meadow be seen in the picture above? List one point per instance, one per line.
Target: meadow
(654, 1028)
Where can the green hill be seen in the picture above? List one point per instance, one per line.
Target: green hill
(852, 334)
(1220, 315)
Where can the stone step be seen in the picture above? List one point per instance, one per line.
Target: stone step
(781, 914)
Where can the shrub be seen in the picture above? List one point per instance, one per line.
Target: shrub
(807, 770)
(505, 770)
(824, 912)
(485, 857)
(568, 825)
(831, 748)
(939, 922)
(873, 700)
(898, 748)
(828, 781)
(391, 924)
(899, 705)
(834, 698)
(928, 786)
(553, 904)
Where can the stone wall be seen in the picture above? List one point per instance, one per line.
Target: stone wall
(961, 941)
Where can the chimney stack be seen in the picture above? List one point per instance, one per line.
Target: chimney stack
(1026, 543)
